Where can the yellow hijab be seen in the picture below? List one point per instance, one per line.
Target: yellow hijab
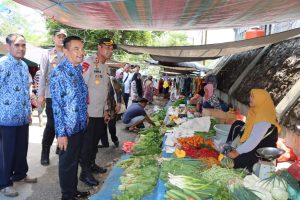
(262, 111)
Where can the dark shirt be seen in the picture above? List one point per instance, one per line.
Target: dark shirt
(133, 111)
(69, 99)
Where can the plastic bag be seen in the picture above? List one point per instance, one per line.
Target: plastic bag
(289, 154)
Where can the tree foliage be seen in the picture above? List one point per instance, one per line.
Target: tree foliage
(91, 38)
(26, 23)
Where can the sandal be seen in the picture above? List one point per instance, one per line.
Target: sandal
(134, 129)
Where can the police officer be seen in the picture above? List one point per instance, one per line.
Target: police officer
(96, 76)
(48, 62)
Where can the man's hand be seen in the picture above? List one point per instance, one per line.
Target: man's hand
(118, 107)
(41, 101)
(30, 119)
(62, 143)
(106, 117)
(232, 154)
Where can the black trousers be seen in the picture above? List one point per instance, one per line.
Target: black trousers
(49, 132)
(96, 130)
(68, 166)
(13, 154)
(113, 130)
(126, 99)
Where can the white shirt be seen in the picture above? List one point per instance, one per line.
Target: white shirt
(257, 134)
(127, 81)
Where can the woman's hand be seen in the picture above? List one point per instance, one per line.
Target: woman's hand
(233, 154)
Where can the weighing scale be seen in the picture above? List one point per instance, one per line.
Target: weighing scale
(267, 161)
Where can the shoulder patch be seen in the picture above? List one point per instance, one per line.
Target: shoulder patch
(85, 67)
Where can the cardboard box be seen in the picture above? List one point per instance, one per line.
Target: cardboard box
(222, 117)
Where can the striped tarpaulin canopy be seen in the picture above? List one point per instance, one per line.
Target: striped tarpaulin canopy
(166, 14)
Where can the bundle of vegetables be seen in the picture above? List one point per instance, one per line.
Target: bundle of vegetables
(194, 141)
(210, 161)
(148, 130)
(187, 187)
(275, 187)
(221, 176)
(181, 167)
(272, 188)
(226, 161)
(293, 185)
(148, 144)
(139, 178)
(178, 102)
(194, 152)
(240, 192)
(159, 115)
(206, 135)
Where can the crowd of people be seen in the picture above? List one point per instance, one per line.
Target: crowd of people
(82, 101)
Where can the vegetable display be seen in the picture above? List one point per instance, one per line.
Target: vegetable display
(139, 178)
(221, 176)
(200, 152)
(194, 141)
(187, 187)
(148, 144)
(196, 171)
(185, 166)
(178, 102)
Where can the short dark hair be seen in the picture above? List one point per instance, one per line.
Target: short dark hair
(67, 40)
(143, 100)
(12, 37)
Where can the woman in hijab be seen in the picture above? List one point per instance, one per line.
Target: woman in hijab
(148, 89)
(260, 130)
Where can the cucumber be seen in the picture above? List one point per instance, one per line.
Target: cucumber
(191, 194)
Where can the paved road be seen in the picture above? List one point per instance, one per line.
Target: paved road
(47, 187)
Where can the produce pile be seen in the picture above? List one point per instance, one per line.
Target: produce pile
(148, 144)
(195, 171)
(139, 178)
(178, 166)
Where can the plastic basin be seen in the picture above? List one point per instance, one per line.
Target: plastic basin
(222, 131)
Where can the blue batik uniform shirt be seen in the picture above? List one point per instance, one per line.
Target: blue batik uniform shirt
(69, 99)
(15, 107)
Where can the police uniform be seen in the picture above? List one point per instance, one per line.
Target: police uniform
(96, 77)
(48, 62)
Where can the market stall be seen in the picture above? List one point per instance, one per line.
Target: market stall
(180, 159)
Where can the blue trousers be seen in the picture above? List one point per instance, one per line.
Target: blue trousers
(13, 154)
